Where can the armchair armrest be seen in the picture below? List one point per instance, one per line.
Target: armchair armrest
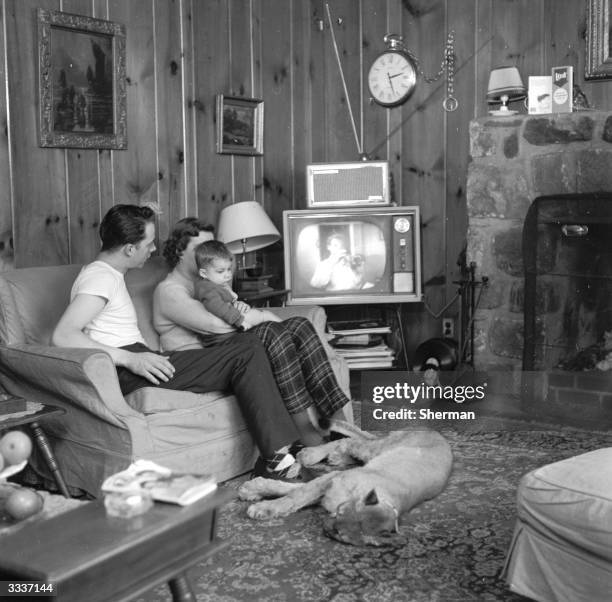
(85, 378)
(315, 313)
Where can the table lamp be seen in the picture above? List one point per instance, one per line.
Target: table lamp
(505, 85)
(246, 227)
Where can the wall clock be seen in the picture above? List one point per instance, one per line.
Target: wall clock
(393, 74)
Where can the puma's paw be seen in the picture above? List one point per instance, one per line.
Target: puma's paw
(265, 510)
(338, 457)
(252, 490)
(310, 456)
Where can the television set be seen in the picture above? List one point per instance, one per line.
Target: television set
(347, 184)
(352, 255)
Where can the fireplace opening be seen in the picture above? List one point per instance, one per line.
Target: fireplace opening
(567, 256)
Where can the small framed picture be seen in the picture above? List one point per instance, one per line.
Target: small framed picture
(239, 125)
(81, 81)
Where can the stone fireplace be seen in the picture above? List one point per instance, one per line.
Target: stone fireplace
(543, 169)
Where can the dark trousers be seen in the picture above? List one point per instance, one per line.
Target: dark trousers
(238, 365)
(299, 363)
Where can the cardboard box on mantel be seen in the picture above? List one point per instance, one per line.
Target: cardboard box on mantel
(562, 89)
(539, 97)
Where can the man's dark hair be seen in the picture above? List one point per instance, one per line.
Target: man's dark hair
(185, 229)
(209, 250)
(124, 225)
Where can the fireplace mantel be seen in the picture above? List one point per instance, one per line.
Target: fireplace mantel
(515, 160)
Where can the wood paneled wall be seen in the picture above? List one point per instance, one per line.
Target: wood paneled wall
(181, 53)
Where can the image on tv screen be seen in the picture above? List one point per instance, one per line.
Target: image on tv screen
(338, 255)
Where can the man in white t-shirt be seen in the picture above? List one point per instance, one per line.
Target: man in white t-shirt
(101, 315)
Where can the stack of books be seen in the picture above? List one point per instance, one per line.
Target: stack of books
(361, 343)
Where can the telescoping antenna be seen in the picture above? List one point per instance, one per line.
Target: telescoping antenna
(346, 94)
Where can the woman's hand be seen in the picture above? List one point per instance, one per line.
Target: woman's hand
(257, 316)
(242, 307)
(270, 316)
(154, 367)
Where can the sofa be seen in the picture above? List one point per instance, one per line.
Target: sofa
(101, 431)
(561, 550)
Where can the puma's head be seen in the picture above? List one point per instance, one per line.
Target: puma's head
(368, 521)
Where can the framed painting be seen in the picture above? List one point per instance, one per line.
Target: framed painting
(598, 64)
(239, 125)
(82, 82)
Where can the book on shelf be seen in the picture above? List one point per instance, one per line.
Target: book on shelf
(356, 340)
(164, 484)
(378, 351)
(358, 327)
(364, 363)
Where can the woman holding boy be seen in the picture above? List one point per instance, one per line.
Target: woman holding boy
(299, 361)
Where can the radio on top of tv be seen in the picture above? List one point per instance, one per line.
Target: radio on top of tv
(352, 255)
(343, 184)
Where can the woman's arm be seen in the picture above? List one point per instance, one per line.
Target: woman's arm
(173, 303)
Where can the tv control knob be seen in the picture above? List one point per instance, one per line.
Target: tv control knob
(402, 225)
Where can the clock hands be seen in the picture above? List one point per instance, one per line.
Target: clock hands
(391, 78)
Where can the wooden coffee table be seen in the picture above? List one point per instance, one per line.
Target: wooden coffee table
(88, 555)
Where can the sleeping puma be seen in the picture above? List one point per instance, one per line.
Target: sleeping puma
(399, 471)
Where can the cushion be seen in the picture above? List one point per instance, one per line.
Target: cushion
(33, 300)
(152, 400)
(572, 500)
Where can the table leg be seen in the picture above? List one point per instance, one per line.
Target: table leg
(181, 589)
(47, 452)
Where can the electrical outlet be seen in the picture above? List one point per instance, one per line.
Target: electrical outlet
(448, 328)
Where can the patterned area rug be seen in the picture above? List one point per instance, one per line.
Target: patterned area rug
(452, 548)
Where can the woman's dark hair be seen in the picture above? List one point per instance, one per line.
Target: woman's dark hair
(185, 229)
(123, 225)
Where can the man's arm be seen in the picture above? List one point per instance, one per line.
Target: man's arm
(69, 333)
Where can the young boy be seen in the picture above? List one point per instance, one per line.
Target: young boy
(214, 289)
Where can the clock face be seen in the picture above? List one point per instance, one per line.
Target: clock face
(392, 78)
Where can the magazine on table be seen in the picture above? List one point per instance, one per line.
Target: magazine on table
(164, 484)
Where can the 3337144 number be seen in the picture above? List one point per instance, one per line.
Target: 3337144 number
(27, 588)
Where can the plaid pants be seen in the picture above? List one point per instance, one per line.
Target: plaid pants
(300, 366)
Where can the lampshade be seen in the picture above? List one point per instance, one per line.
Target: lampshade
(505, 85)
(246, 227)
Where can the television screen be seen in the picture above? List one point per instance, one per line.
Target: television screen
(353, 255)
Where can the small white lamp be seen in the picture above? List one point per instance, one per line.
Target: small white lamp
(246, 227)
(505, 85)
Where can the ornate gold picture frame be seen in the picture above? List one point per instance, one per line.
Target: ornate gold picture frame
(82, 82)
(598, 64)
